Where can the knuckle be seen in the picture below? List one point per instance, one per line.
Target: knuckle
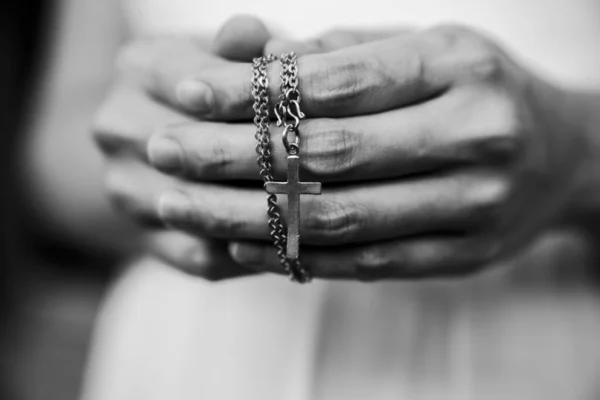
(213, 159)
(331, 147)
(192, 260)
(481, 252)
(334, 86)
(495, 149)
(459, 260)
(486, 203)
(102, 133)
(372, 264)
(478, 57)
(499, 149)
(483, 61)
(506, 115)
(334, 222)
(487, 250)
(114, 130)
(115, 187)
(105, 128)
(495, 135)
(122, 194)
(505, 140)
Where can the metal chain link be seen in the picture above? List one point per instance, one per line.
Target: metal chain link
(260, 96)
(288, 104)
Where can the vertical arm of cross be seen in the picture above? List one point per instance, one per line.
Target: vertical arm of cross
(293, 188)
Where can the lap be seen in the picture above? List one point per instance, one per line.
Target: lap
(527, 330)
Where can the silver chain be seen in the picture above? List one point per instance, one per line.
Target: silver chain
(289, 96)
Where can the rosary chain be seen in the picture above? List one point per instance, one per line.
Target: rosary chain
(290, 94)
(260, 96)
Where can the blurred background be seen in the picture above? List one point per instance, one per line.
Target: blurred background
(51, 286)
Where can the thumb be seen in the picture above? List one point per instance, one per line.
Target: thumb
(241, 38)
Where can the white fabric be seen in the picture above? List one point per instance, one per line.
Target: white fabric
(510, 334)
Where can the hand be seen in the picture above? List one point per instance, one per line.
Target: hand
(453, 157)
(128, 118)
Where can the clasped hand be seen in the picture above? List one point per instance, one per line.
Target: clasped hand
(439, 154)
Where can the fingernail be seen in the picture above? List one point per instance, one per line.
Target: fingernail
(246, 254)
(174, 208)
(195, 96)
(165, 154)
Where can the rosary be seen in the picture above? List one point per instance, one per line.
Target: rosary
(288, 113)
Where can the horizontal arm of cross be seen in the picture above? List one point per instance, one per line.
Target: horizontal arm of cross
(286, 187)
(310, 187)
(276, 187)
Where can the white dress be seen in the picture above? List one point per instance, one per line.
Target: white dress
(526, 331)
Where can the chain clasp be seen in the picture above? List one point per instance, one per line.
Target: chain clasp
(292, 147)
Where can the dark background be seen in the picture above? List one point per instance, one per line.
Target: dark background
(49, 293)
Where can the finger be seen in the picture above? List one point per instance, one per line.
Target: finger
(160, 65)
(197, 256)
(393, 144)
(396, 143)
(363, 79)
(362, 213)
(127, 119)
(163, 65)
(331, 41)
(241, 38)
(410, 258)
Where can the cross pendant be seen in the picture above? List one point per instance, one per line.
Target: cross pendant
(293, 188)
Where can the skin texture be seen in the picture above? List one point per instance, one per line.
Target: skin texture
(439, 155)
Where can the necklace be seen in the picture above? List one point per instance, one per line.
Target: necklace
(286, 241)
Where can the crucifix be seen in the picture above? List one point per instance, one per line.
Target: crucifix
(293, 188)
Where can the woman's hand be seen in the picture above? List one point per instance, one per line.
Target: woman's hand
(128, 118)
(451, 157)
